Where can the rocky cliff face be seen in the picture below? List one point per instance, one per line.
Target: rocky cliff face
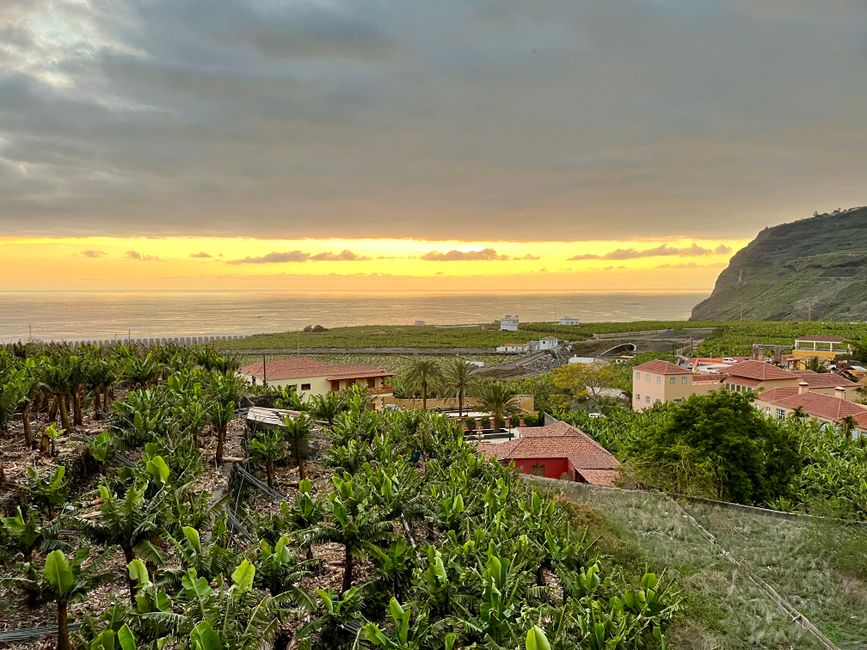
(810, 269)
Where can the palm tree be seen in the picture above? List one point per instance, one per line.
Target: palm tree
(817, 365)
(64, 583)
(131, 522)
(424, 374)
(497, 398)
(267, 448)
(298, 432)
(798, 413)
(848, 425)
(459, 374)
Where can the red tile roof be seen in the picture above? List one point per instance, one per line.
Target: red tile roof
(558, 440)
(827, 407)
(758, 370)
(301, 367)
(823, 379)
(660, 367)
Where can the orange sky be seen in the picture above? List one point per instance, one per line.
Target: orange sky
(83, 263)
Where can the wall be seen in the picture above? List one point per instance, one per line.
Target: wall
(660, 388)
(526, 403)
(554, 467)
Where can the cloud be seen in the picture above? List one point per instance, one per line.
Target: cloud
(485, 255)
(343, 256)
(658, 251)
(301, 256)
(141, 257)
(274, 258)
(201, 255)
(93, 253)
(159, 117)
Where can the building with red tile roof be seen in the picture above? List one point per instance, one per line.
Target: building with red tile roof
(555, 450)
(310, 376)
(830, 409)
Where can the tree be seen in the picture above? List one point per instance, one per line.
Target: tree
(497, 398)
(424, 374)
(459, 374)
(817, 365)
(848, 425)
(584, 380)
(268, 447)
(716, 445)
(298, 432)
(353, 522)
(63, 583)
(131, 522)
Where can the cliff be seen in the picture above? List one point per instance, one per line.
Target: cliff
(809, 269)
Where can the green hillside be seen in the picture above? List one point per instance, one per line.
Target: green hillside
(813, 269)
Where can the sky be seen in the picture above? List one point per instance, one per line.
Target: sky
(372, 144)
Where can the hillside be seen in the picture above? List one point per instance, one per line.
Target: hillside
(813, 269)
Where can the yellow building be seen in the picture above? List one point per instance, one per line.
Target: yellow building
(662, 381)
(311, 377)
(822, 347)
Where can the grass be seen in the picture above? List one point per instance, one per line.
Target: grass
(818, 567)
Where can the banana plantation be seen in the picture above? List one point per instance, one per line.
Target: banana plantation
(140, 512)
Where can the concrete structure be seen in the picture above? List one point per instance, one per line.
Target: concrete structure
(659, 381)
(583, 360)
(509, 323)
(822, 347)
(831, 410)
(567, 320)
(311, 377)
(545, 343)
(555, 450)
(517, 348)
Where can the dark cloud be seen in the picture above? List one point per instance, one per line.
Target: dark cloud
(301, 256)
(141, 257)
(658, 251)
(342, 256)
(486, 255)
(93, 253)
(274, 258)
(469, 121)
(202, 255)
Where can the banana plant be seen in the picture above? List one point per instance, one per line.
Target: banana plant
(27, 533)
(279, 571)
(407, 634)
(52, 493)
(100, 449)
(267, 448)
(339, 618)
(48, 444)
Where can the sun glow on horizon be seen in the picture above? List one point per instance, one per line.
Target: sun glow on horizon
(81, 263)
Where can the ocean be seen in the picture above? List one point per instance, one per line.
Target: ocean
(150, 314)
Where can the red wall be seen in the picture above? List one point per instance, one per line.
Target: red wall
(554, 467)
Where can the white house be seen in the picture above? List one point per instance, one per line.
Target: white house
(545, 343)
(568, 320)
(514, 347)
(509, 323)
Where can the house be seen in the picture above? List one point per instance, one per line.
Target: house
(509, 323)
(568, 320)
(555, 450)
(662, 381)
(829, 409)
(518, 348)
(757, 376)
(545, 343)
(826, 348)
(308, 376)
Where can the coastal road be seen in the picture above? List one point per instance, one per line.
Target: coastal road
(404, 351)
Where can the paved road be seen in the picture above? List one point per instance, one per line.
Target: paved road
(405, 351)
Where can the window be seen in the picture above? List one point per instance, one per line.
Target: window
(637, 397)
(780, 414)
(684, 380)
(672, 380)
(305, 386)
(647, 398)
(647, 378)
(658, 379)
(638, 376)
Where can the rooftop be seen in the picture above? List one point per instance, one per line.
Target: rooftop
(759, 371)
(823, 379)
(828, 407)
(302, 367)
(821, 338)
(559, 440)
(660, 367)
